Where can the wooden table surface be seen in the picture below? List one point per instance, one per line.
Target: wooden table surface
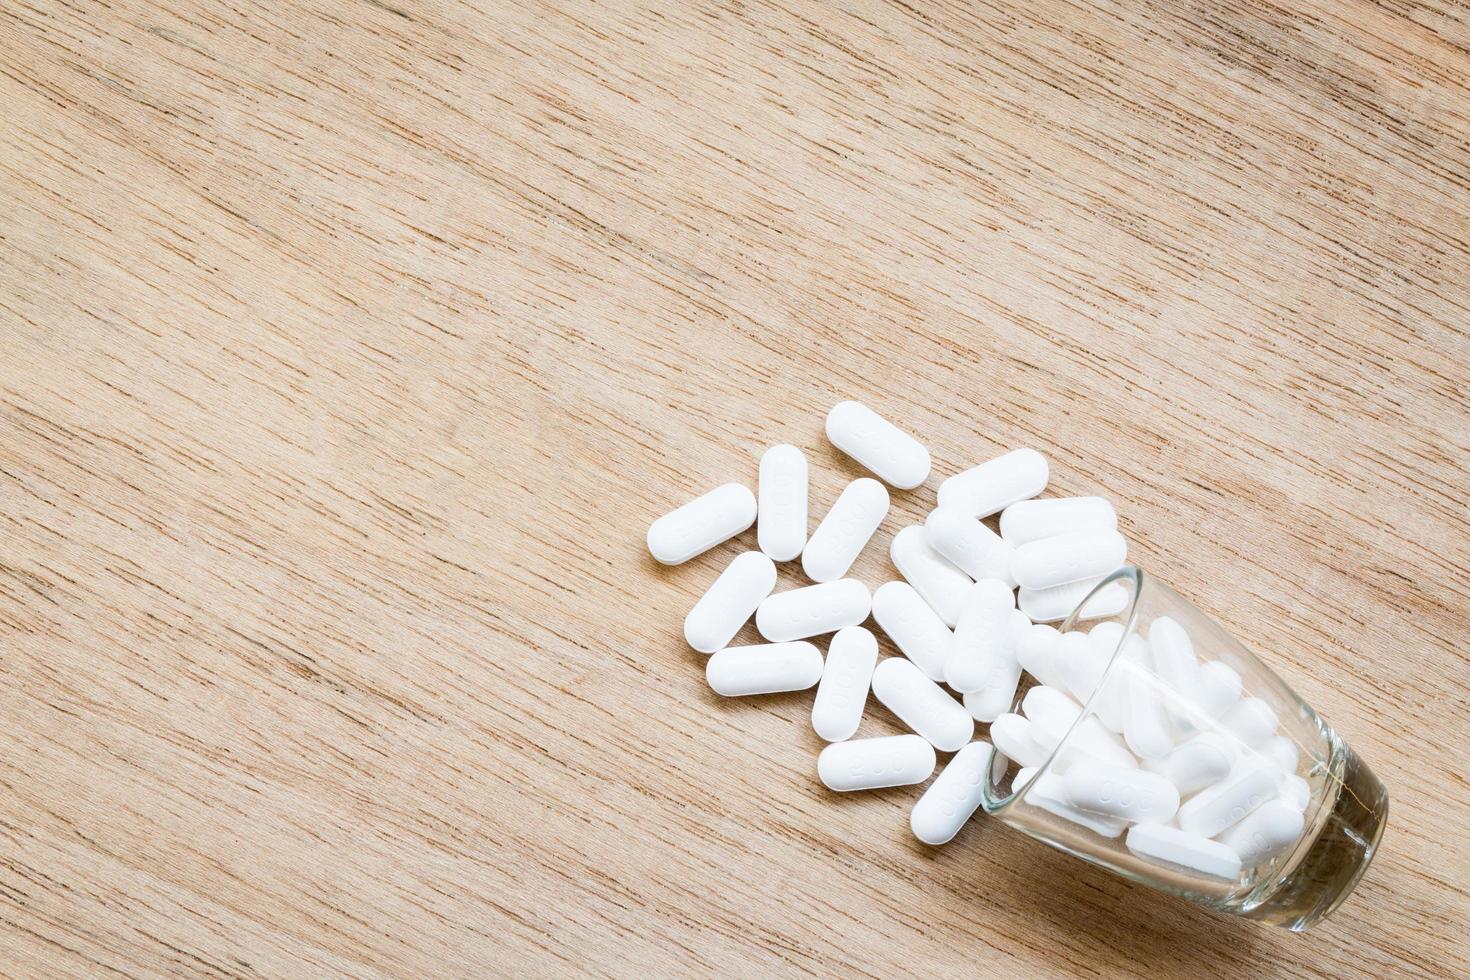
(350, 348)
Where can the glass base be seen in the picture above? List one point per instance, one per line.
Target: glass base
(1345, 844)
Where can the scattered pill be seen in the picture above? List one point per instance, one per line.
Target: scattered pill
(1228, 802)
(875, 763)
(972, 547)
(1011, 735)
(1067, 558)
(922, 705)
(1032, 520)
(843, 533)
(1131, 795)
(983, 648)
(932, 575)
(913, 626)
(781, 520)
(992, 486)
(815, 609)
(843, 689)
(953, 797)
(892, 454)
(764, 668)
(1056, 604)
(729, 602)
(701, 524)
(1266, 833)
(1202, 761)
(1169, 845)
(1251, 720)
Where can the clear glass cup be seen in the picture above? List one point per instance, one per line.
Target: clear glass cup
(1136, 688)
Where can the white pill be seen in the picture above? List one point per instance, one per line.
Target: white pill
(1039, 652)
(971, 546)
(1205, 759)
(763, 668)
(1169, 845)
(1219, 688)
(1045, 791)
(824, 608)
(781, 524)
(982, 651)
(1131, 795)
(1067, 558)
(1228, 802)
(840, 538)
(701, 524)
(1282, 751)
(992, 486)
(932, 575)
(1089, 666)
(1011, 735)
(1051, 713)
(1056, 604)
(1032, 520)
(1266, 833)
(953, 797)
(1295, 790)
(997, 696)
(913, 626)
(838, 706)
(1174, 662)
(875, 763)
(922, 704)
(1090, 742)
(892, 454)
(1251, 720)
(729, 602)
(1146, 726)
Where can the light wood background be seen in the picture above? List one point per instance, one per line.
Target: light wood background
(350, 348)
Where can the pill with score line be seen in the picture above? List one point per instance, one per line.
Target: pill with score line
(922, 705)
(782, 512)
(913, 626)
(875, 763)
(729, 602)
(845, 531)
(812, 610)
(953, 797)
(842, 692)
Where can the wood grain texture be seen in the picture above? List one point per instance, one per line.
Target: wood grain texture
(350, 348)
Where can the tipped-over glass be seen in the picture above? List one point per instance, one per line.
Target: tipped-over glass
(1261, 811)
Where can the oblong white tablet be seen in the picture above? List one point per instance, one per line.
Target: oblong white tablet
(994, 485)
(763, 668)
(922, 704)
(875, 763)
(1266, 833)
(913, 626)
(953, 797)
(781, 523)
(840, 538)
(1173, 659)
(843, 690)
(892, 454)
(1251, 720)
(932, 575)
(1079, 556)
(1051, 713)
(1191, 852)
(1056, 604)
(1219, 688)
(1146, 725)
(982, 650)
(1282, 751)
(1011, 735)
(1230, 801)
(969, 545)
(729, 602)
(1131, 795)
(1295, 790)
(1038, 651)
(701, 524)
(1202, 761)
(1045, 791)
(1032, 520)
(825, 608)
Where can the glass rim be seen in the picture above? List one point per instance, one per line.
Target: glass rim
(1131, 574)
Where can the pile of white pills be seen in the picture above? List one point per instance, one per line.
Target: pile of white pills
(1196, 775)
